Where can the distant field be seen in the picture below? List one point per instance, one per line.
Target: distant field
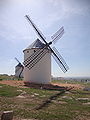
(70, 105)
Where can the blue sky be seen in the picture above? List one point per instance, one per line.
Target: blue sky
(49, 15)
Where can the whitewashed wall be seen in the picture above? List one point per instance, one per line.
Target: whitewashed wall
(18, 71)
(41, 72)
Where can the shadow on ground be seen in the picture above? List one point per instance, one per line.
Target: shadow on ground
(53, 97)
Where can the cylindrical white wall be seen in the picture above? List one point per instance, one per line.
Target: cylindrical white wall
(41, 72)
(18, 70)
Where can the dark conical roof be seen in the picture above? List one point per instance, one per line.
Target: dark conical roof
(36, 44)
(19, 65)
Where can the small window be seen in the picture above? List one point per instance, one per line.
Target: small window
(27, 51)
(34, 51)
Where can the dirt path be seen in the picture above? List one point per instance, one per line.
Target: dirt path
(75, 86)
(21, 84)
(13, 83)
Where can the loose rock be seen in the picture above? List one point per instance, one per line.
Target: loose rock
(7, 115)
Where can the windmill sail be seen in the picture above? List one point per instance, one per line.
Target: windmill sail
(39, 33)
(19, 68)
(57, 35)
(31, 57)
(35, 57)
(40, 56)
(21, 72)
(17, 60)
(59, 60)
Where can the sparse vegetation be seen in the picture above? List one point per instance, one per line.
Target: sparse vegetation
(8, 91)
(3, 77)
(24, 101)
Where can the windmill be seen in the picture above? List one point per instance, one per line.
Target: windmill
(33, 61)
(19, 69)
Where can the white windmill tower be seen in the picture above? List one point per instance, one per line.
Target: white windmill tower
(19, 69)
(37, 58)
(41, 72)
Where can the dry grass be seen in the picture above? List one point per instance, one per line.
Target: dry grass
(24, 101)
